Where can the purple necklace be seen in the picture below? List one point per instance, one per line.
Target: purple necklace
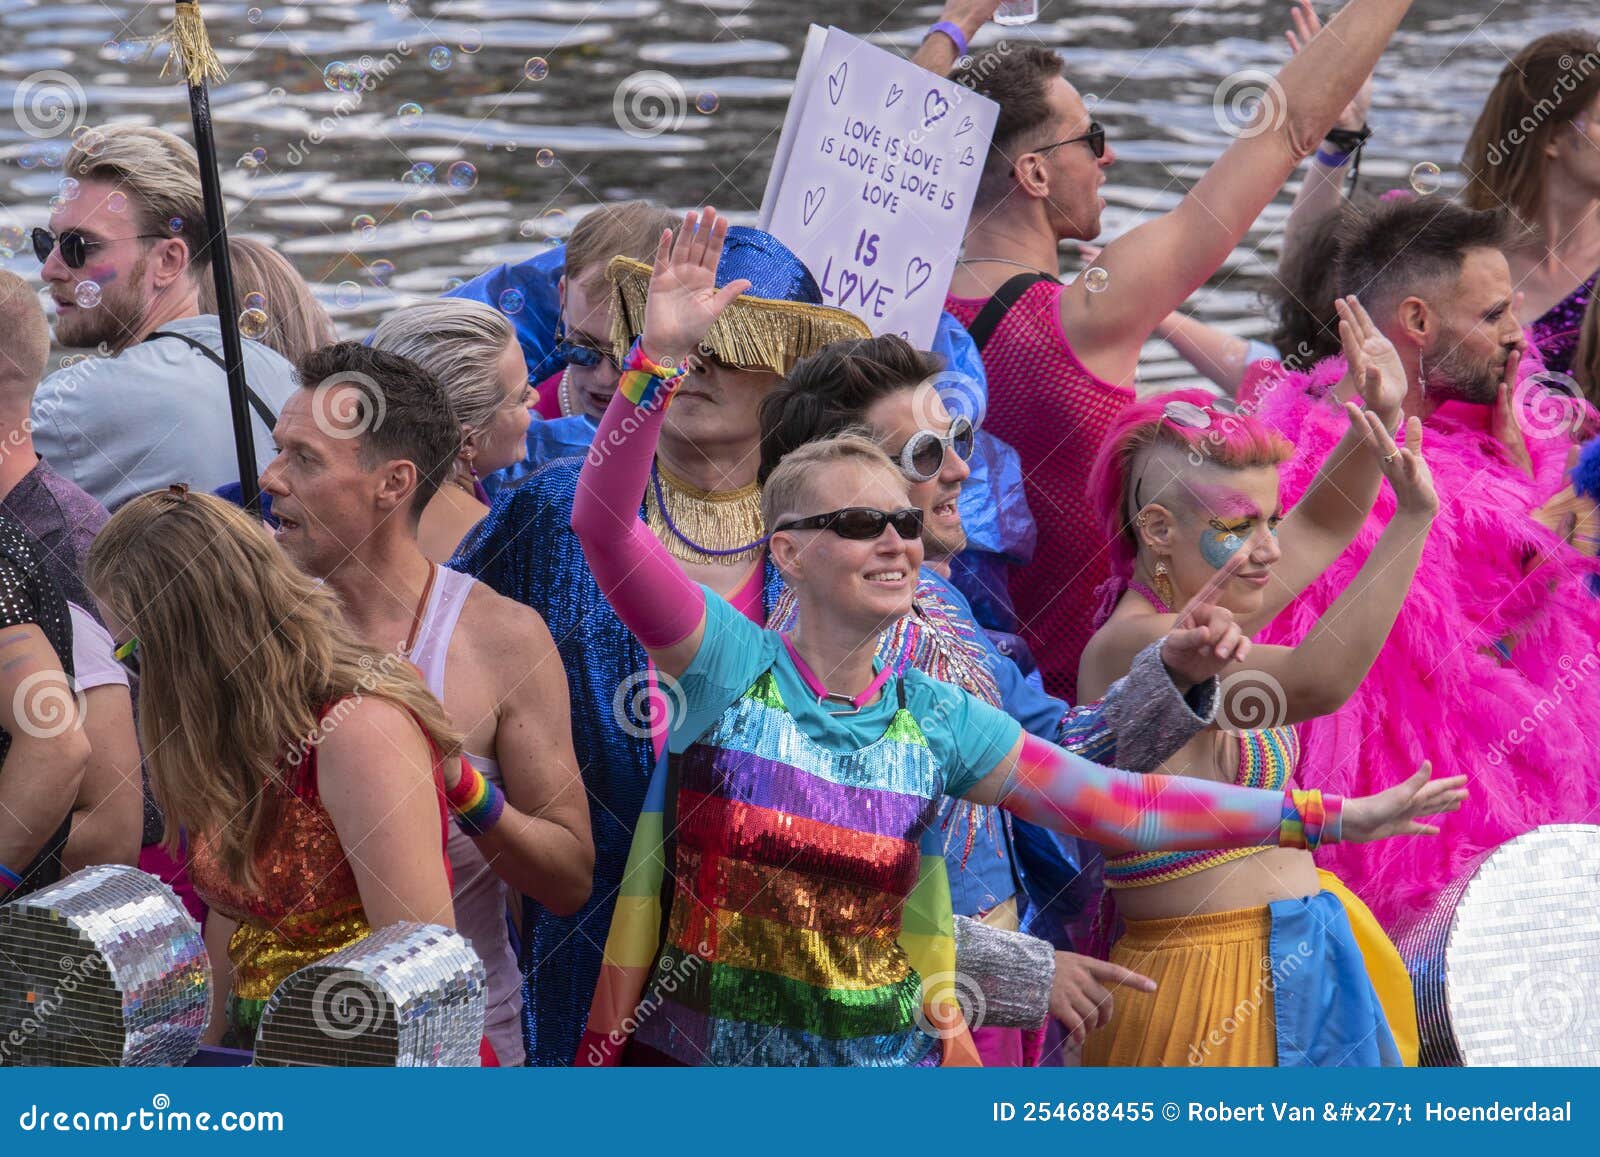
(666, 517)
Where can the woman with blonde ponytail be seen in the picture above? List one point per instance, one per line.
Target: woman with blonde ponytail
(302, 767)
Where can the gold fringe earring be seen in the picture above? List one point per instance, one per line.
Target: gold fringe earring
(1162, 581)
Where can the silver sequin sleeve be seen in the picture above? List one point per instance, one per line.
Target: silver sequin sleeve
(1149, 716)
(1007, 976)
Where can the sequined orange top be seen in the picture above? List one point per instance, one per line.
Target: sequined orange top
(305, 903)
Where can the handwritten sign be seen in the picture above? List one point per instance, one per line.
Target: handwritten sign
(874, 179)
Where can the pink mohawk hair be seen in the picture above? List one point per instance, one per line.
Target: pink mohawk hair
(1236, 441)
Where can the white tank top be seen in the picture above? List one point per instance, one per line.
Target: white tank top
(480, 896)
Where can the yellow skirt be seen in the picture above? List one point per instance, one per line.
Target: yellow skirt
(1213, 1000)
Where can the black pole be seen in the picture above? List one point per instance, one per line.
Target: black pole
(227, 310)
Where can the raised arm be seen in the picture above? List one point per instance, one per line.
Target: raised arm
(644, 585)
(1053, 788)
(939, 51)
(1220, 356)
(1322, 189)
(1155, 267)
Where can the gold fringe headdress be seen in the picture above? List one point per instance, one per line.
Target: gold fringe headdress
(776, 322)
(191, 51)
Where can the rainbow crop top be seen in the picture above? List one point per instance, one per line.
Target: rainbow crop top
(1267, 759)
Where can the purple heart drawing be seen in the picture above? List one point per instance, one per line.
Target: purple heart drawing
(814, 198)
(836, 81)
(895, 93)
(847, 285)
(968, 156)
(917, 273)
(965, 127)
(934, 107)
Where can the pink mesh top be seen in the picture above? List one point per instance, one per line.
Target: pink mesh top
(1056, 414)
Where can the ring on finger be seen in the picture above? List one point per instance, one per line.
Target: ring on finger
(1391, 457)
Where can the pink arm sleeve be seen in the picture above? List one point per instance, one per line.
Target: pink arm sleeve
(651, 595)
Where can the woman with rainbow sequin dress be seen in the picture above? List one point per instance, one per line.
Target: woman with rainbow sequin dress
(276, 741)
(1258, 959)
(780, 904)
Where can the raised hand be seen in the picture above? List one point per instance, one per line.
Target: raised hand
(1395, 812)
(1503, 424)
(1306, 25)
(1374, 364)
(683, 298)
(1205, 639)
(1404, 466)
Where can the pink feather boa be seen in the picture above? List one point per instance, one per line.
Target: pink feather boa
(1526, 731)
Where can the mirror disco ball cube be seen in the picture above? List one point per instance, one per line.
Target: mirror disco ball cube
(1506, 963)
(409, 995)
(104, 967)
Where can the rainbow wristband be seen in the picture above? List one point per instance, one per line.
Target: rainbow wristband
(477, 803)
(1310, 819)
(644, 383)
(9, 880)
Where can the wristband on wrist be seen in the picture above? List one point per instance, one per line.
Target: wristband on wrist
(1306, 821)
(9, 880)
(646, 384)
(1332, 157)
(477, 803)
(1348, 140)
(953, 30)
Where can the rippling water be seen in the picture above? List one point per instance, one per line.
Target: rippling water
(529, 110)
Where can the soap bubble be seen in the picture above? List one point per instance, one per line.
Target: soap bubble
(555, 224)
(1096, 279)
(253, 15)
(439, 58)
(471, 41)
(544, 158)
(69, 188)
(512, 301)
(462, 175)
(247, 163)
(530, 228)
(706, 103)
(421, 173)
(254, 324)
(536, 68)
(379, 271)
(340, 76)
(1426, 178)
(12, 239)
(422, 220)
(175, 224)
(410, 113)
(256, 300)
(260, 154)
(28, 160)
(364, 225)
(88, 140)
(57, 203)
(87, 294)
(117, 202)
(348, 295)
(452, 283)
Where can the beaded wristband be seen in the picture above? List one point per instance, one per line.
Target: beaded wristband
(953, 31)
(477, 803)
(644, 383)
(9, 880)
(1333, 158)
(1306, 820)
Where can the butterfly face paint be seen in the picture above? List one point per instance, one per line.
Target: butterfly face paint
(1233, 522)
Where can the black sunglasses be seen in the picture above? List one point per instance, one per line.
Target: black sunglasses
(582, 353)
(1096, 136)
(75, 246)
(861, 523)
(922, 458)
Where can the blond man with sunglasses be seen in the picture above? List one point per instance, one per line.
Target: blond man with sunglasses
(122, 257)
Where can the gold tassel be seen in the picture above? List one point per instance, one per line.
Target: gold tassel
(191, 51)
(754, 333)
(717, 521)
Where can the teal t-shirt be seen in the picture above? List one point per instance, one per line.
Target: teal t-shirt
(966, 735)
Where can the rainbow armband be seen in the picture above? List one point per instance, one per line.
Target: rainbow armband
(1310, 819)
(644, 383)
(477, 803)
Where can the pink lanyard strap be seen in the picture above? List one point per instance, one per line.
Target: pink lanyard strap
(821, 691)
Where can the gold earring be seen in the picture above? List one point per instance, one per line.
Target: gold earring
(1163, 582)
